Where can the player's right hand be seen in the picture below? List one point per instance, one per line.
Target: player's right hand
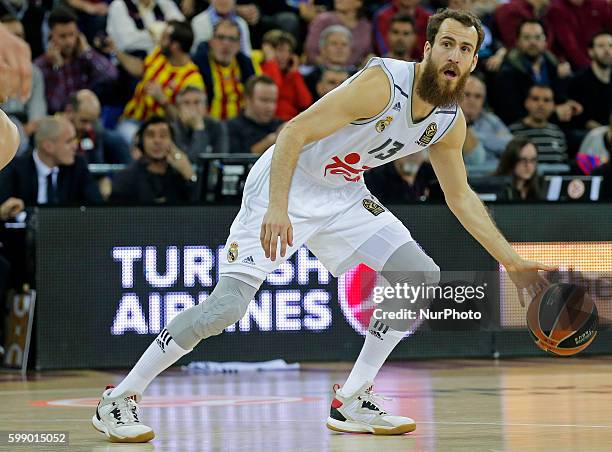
(275, 225)
(15, 67)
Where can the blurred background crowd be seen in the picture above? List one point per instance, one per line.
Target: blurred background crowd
(128, 95)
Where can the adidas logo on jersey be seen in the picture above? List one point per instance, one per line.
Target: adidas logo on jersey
(248, 260)
(397, 107)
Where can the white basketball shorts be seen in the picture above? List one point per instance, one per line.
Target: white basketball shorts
(332, 222)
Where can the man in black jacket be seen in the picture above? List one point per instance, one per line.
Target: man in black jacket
(531, 64)
(52, 174)
(163, 175)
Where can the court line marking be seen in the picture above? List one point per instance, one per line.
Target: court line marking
(264, 421)
(514, 424)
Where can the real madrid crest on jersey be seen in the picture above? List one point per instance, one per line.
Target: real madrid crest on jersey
(383, 124)
(232, 252)
(372, 207)
(428, 135)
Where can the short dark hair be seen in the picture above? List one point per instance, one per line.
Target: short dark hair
(466, 18)
(191, 89)
(286, 38)
(333, 68)
(540, 86)
(229, 22)
(145, 125)
(61, 16)
(249, 88)
(527, 22)
(597, 35)
(181, 33)
(402, 18)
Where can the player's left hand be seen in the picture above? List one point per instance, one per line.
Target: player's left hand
(525, 276)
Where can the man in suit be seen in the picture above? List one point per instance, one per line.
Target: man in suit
(52, 174)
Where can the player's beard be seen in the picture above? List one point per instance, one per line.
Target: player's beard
(437, 91)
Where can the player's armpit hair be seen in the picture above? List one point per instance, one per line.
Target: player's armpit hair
(225, 306)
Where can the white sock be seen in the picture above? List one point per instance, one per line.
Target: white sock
(380, 342)
(161, 354)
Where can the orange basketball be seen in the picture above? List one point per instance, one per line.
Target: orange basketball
(562, 319)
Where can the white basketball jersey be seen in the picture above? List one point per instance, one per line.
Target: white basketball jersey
(345, 155)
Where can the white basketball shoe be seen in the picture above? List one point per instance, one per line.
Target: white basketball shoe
(361, 413)
(117, 418)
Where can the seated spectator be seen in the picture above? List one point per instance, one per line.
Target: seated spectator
(95, 144)
(52, 174)
(70, 64)
(194, 131)
(225, 70)
(402, 38)
(509, 17)
(492, 52)
(592, 88)
(406, 179)
(572, 24)
(92, 16)
(132, 24)
(256, 129)
(269, 15)
(335, 51)
(162, 175)
(331, 78)
(549, 138)
(520, 160)
(485, 129)
(164, 73)
(220, 10)
(528, 64)
(382, 24)
(281, 65)
(598, 142)
(25, 114)
(347, 13)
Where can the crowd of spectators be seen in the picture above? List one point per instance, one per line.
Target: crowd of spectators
(153, 84)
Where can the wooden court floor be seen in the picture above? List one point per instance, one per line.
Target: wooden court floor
(460, 405)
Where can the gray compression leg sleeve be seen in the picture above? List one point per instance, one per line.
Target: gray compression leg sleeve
(411, 266)
(226, 305)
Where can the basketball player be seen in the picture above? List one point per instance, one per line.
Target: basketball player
(308, 189)
(15, 78)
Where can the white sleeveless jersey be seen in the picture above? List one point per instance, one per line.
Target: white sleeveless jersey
(344, 156)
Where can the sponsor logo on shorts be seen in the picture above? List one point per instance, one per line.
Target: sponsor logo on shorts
(428, 135)
(372, 207)
(248, 260)
(397, 107)
(383, 124)
(232, 252)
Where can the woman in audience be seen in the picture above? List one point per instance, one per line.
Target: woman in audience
(348, 13)
(520, 160)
